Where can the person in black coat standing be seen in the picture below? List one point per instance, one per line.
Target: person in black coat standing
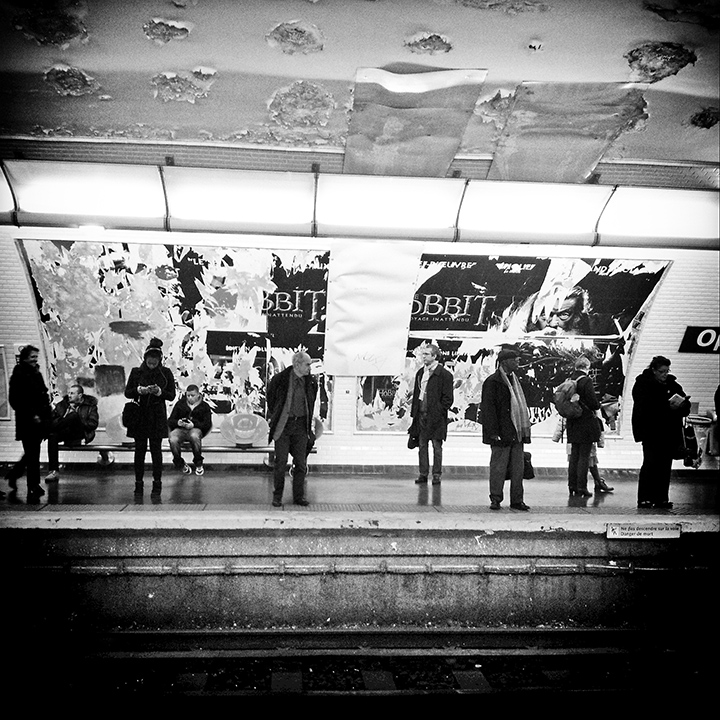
(582, 431)
(151, 385)
(506, 428)
(29, 398)
(660, 404)
(291, 398)
(433, 397)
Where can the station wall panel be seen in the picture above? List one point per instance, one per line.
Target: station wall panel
(686, 296)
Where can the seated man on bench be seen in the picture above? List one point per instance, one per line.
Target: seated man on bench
(74, 421)
(190, 421)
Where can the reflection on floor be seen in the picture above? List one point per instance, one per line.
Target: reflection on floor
(692, 491)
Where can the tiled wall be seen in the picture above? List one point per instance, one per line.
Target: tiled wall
(688, 295)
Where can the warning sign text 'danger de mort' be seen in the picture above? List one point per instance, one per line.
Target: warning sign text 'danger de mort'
(640, 531)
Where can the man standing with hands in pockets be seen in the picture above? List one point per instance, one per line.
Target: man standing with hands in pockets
(506, 428)
(291, 398)
(432, 399)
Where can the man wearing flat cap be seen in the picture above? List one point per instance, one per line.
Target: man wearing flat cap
(506, 428)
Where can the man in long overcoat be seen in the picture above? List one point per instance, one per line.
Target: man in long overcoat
(432, 399)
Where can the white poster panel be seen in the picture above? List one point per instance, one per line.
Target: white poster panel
(369, 302)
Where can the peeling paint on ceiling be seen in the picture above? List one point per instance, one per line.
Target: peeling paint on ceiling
(538, 143)
(133, 69)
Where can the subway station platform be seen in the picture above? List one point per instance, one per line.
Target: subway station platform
(237, 496)
(372, 547)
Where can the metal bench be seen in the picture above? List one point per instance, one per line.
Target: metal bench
(268, 450)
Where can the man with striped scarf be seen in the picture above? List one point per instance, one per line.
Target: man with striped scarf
(506, 428)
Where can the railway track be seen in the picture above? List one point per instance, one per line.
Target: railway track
(381, 662)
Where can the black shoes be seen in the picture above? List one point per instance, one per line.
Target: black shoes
(602, 487)
(422, 480)
(138, 488)
(156, 487)
(520, 506)
(303, 503)
(494, 505)
(35, 491)
(648, 505)
(277, 503)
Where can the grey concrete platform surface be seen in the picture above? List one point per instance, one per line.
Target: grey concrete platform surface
(371, 547)
(236, 497)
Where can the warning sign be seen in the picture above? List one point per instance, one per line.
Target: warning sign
(641, 531)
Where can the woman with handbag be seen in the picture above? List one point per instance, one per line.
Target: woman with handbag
(151, 385)
(660, 404)
(582, 431)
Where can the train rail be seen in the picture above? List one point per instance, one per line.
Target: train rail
(498, 662)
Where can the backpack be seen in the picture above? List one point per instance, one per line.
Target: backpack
(562, 399)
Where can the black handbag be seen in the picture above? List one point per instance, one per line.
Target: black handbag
(413, 435)
(131, 416)
(691, 452)
(528, 469)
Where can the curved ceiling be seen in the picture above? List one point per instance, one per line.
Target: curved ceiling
(543, 91)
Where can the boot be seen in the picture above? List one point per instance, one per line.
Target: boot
(156, 487)
(602, 487)
(138, 487)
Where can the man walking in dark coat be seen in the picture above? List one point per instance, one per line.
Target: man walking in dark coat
(432, 398)
(29, 398)
(506, 427)
(291, 400)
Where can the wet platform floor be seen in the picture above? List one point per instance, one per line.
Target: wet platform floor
(240, 496)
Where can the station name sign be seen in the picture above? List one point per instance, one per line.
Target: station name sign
(700, 340)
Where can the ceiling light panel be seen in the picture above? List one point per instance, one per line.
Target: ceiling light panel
(389, 207)
(531, 212)
(69, 194)
(660, 217)
(223, 200)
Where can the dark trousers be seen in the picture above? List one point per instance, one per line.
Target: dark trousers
(578, 466)
(424, 441)
(424, 456)
(53, 452)
(194, 437)
(654, 477)
(68, 430)
(507, 460)
(141, 446)
(29, 462)
(293, 441)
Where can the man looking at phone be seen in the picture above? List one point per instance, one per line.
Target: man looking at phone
(190, 421)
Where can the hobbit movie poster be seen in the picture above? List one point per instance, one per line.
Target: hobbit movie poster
(229, 318)
(551, 309)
